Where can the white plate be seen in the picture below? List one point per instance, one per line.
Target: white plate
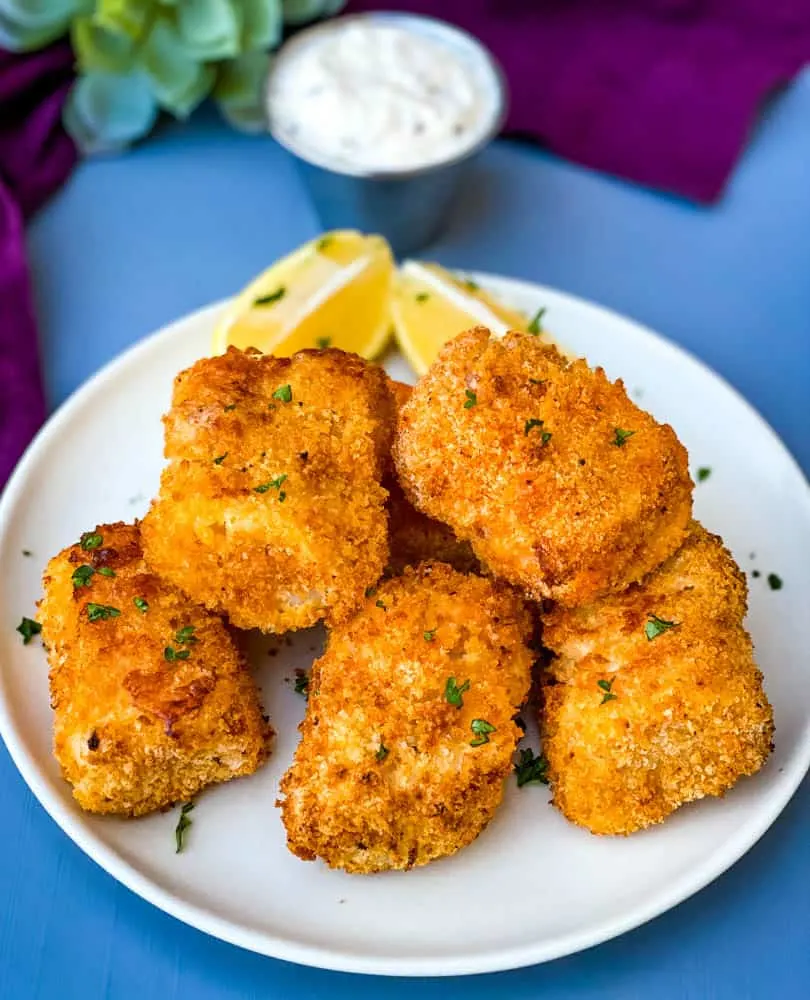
(532, 887)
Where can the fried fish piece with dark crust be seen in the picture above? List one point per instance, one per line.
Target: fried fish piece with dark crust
(271, 508)
(409, 731)
(655, 699)
(414, 537)
(152, 699)
(562, 485)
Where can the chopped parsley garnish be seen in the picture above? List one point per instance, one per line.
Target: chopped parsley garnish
(90, 540)
(453, 693)
(422, 297)
(621, 436)
(171, 654)
(98, 612)
(430, 635)
(284, 393)
(471, 285)
(27, 552)
(545, 436)
(271, 484)
(182, 825)
(140, 604)
(703, 474)
(266, 300)
(756, 574)
(28, 628)
(371, 591)
(185, 636)
(106, 571)
(301, 685)
(379, 604)
(606, 686)
(657, 626)
(229, 407)
(323, 342)
(382, 753)
(472, 399)
(323, 243)
(536, 325)
(530, 769)
(774, 581)
(482, 729)
(81, 576)
(220, 458)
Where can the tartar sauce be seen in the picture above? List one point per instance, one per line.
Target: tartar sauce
(361, 94)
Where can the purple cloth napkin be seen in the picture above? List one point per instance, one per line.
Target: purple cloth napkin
(664, 92)
(36, 156)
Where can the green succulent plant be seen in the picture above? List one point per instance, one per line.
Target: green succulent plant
(136, 58)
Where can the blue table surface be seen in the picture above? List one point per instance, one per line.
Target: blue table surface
(135, 241)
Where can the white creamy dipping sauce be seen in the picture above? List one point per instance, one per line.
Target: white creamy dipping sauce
(362, 95)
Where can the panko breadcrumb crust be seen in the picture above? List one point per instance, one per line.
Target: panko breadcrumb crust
(414, 537)
(562, 485)
(133, 730)
(385, 775)
(271, 508)
(635, 727)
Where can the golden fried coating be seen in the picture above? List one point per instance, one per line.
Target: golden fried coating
(389, 773)
(560, 482)
(152, 700)
(414, 537)
(658, 700)
(271, 508)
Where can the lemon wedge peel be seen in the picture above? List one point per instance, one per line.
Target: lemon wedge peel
(317, 280)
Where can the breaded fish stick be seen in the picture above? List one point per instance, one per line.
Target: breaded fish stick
(657, 699)
(562, 484)
(271, 508)
(409, 731)
(152, 700)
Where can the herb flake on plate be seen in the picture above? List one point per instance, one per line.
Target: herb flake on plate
(535, 327)
(28, 628)
(183, 823)
(531, 769)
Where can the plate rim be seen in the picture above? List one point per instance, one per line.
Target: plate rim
(72, 822)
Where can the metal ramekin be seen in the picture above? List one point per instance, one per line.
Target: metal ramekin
(408, 207)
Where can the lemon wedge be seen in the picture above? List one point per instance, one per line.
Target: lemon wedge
(431, 305)
(334, 291)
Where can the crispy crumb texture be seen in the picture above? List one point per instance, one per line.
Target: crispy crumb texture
(530, 457)
(635, 726)
(135, 731)
(271, 508)
(385, 775)
(414, 537)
